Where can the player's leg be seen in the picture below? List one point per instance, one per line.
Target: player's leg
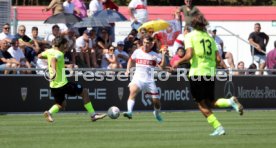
(231, 102)
(203, 91)
(59, 96)
(134, 89)
(151, 90)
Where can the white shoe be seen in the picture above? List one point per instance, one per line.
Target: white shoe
(48, 116)
(218, 131)
(237, 105)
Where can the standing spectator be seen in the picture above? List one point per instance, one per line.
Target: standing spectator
(56, 6)
(259, 41)
(138, 12)
(202, 52)
(50, 37)
(271, 60)
(240, 69)
(5, 34)
(220, 46)
(189, 11)
(110, 5)
(6, 60)
(95, 5)
(68, 6)
(121, 55)
(80, 11)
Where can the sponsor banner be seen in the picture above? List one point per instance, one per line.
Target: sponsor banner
(28, 94)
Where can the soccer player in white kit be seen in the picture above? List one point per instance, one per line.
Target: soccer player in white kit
(143, 79)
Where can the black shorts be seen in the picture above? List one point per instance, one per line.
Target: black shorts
(71, 89)
(203, 89)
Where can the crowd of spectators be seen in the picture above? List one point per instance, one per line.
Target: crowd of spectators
(95, 47)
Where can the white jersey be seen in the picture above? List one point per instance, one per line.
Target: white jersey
(179, 42)
(140, 10)
(145, 64)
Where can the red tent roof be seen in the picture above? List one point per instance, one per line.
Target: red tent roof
(214, 13)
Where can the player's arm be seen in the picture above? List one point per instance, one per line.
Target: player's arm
(188, 56)
(130, 64)
(53, 67)
(42, 55)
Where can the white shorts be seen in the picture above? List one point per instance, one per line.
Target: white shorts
(260, 59)
(149, 88)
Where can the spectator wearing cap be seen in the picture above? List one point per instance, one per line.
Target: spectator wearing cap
(271, 60)
(220, 46)
(19, 56)
(5, 34)
(6, 60)
(121, 55)
(82, 50)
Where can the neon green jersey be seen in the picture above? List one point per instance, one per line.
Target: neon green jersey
(60, 79)
(203, 62)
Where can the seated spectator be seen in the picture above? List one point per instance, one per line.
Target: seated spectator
(93, 47)
(50, 37)
(103, 41)
(6, 60)
(240, 69)
(129, 40)
(271, 60)
(252, 69)
(83, 51)
(5, 34)
(39, 43)
(30, 53)
(121, 55)
(180, 53)
(19, 56)
(109, 60)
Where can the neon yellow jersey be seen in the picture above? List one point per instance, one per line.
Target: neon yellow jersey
(203, 62)
(60, 79)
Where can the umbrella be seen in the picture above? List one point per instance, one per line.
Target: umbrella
(65, 18)
(111, 15)
(92, 22)
(156, 25)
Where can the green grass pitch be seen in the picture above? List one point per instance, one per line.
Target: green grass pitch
(256, 129)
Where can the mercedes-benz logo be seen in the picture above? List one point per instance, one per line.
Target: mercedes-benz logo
(229, 89)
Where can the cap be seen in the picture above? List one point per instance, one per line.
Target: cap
(213, 28)
(120, 43)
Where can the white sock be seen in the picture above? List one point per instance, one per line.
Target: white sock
(157, 111)
(130, 104)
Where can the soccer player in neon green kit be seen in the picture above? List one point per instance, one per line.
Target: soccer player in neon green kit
(203, 54)
(59, 84)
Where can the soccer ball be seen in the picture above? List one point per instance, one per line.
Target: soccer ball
(113, 112)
